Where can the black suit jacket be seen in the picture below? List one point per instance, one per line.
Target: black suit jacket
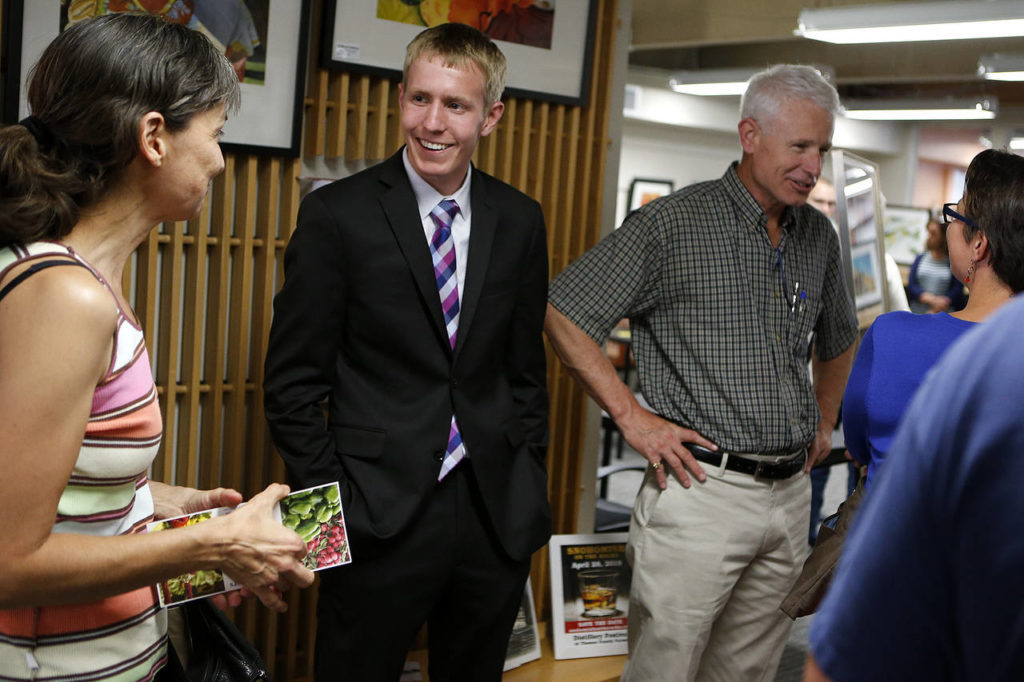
(358, 323)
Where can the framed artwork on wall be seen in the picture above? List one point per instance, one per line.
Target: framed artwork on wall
(905, 231)
(859, 207)
(266, 41)
(10, 16)
(867, 275)
(643, 190)
(548, 44)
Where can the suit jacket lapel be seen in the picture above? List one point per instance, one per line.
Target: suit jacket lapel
(402, 212)
(481, 239)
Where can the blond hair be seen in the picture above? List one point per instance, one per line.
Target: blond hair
(458, 45)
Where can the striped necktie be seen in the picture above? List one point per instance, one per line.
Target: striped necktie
(442, 252)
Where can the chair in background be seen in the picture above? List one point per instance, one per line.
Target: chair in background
(611, 516)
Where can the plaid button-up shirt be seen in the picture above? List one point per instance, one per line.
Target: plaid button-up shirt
(720, 346)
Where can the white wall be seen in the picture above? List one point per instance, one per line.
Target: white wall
(933, 187)
(660, 152)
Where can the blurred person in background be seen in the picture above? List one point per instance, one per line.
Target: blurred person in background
(931, 286)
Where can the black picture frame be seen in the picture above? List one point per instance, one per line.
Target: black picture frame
(10, 61)
(560, 74)
(642, 190)
(269, 121)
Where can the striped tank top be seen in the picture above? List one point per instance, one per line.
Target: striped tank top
(120, 638)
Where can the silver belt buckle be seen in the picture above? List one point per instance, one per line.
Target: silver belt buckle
(761, 463)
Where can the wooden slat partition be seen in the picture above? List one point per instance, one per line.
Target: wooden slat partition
(203, 290)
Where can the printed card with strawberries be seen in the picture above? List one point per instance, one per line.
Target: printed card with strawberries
(314, 513)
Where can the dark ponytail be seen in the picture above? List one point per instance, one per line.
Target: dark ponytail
(41, 188)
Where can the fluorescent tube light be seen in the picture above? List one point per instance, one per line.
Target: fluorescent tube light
(711, 82)
(1002, 67)
(909, 22)
(711, 89)
(921, 110)
(1017, 143)
(717, 82)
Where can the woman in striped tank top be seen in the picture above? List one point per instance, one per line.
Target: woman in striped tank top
(126, 115)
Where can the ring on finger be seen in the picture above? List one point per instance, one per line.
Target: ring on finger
(655, 465)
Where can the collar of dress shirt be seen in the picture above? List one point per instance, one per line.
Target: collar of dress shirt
(427, 197)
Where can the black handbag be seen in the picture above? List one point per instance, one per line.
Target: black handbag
(219, 651)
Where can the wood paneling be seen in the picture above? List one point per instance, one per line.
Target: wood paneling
(203, 290)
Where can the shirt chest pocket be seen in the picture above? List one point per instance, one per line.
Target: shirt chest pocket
(804, 309)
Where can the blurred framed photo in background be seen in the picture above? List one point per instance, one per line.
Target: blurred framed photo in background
(905, 231)
(548, 44)
(645, 190)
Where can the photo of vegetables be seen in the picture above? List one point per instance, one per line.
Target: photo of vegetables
(316, 515)
(195, 585)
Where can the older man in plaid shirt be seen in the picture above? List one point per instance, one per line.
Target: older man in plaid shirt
(725, 284)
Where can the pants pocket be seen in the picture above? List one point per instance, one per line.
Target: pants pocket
(646, 500)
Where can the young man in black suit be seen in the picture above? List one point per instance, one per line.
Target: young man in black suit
(413, 304)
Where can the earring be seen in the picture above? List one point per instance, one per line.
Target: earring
(970, 271)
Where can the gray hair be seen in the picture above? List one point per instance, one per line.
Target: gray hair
(768, 90)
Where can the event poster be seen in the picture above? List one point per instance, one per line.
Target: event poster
(589, 594)
(314, 513)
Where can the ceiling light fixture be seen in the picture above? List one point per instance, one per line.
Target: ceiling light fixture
(921, 110)
(1002, 67)
(1017, 143)
(718, 82)
(913, 21)
(712, 82)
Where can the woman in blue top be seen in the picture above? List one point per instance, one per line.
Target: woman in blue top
(985, 234)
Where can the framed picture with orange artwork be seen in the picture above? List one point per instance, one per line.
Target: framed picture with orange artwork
(548, 44)
(643, 190)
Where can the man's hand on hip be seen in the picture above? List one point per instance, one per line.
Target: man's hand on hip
(661, 443)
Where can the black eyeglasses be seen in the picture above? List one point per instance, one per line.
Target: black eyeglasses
(949, 214)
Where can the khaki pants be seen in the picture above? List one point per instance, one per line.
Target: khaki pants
(711, 565)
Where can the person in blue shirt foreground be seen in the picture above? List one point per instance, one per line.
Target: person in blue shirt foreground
(929, 584)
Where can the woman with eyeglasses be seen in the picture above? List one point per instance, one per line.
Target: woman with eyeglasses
(985, 236)
(931, 287)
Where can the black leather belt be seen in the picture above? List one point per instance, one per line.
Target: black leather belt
(754, 467)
